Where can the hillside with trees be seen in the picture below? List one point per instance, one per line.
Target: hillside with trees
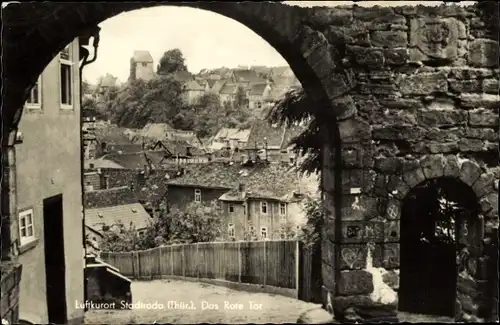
(159, 100)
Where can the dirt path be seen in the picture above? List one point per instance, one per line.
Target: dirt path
(233, 307)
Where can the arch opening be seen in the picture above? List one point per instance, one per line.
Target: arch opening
(439, 223)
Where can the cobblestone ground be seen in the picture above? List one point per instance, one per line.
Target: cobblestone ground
(268, 308)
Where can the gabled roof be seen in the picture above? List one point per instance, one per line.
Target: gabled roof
(183, 76)
(229, 89)
(258, 89)
(233, 134)
(282, 71)
(142, 56)
(155, 131)
(124, 148)
(245, 75)
(127, 214)
(135, 160)
(101, 163)
(277, 93)
(217, 86)
(116, 135)
(222, 175)
(262, 131)
(108, 81)
(194, 86)
(109, 197)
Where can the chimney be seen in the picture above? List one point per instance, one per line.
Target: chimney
(103, 146)
(91, 166)
(146, 171)
(241, 187)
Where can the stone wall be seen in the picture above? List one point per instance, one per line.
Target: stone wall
(425, 105)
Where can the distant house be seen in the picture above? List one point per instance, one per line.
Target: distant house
(242, 75)
(235, 139)
(228, 93)
(264, 196)
(180, 152)
(257, 94)
(192, 91)
(142, 66)
(271, 142)
(107, 82)
(129, 215)
(101, 163)
(268, 203)
(153, 132)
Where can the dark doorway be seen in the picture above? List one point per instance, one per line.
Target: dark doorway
(55, 265)
(431, 220)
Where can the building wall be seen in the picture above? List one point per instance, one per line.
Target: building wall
(181, 196)
(144, 72)
(56, 170)
(272, 220)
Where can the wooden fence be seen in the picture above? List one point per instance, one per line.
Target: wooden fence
(282, 264)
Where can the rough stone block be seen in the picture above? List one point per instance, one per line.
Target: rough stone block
(352, 231)
(469, 172)
(367, 57)
(321, 17)
(491, 86)
(445, 135)
(391, 278)
(433, 166)
(387, 165)
(362, 308)
(441, 118)
(393, 211)
(468, 101)
(467, 73)
(391, 231)
(377, 88)
(353, 256)
(357, 208)
(489, 204)
(389, 39)
(354, 131)
(373, 231)
(471, 145)
(484, 185)
(396, 56)
(391, 256)
(413, 178)
(424, 83)
(482, 134)
(468, 304)
(398, 132)
(433, 147)
(402, 103)
(434, 38)
(483, 53)
(465, 86)
(328, 275)
(370, 14)
(483, 117)
(316, 316)
(396, 187)
(356, 282)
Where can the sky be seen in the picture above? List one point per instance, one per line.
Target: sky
(207, 40)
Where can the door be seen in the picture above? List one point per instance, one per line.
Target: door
(428, 268)
(55, 266)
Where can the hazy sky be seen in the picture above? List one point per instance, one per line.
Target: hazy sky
(208, 40)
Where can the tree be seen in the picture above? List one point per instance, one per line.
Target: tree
(171, 62)
(296, 107)
(241, 99)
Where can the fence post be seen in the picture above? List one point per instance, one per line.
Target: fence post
(133, 265)
(159, 262)
(297, 268)
(239, 261)
(171, 260)
(183, 264)
(198, 260)
(265, 262)
(138, 265)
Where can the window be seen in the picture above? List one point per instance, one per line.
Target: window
(26, 228)
(219, 205)
(231, 207)
(263, 232)
(35, 96)
(283, 210)
(141, 232)
(66, 78)
(244, 209)
(144, 64)
(197, 195)
(283, 232)
(263, 207)
(297, 231)
(230, 230)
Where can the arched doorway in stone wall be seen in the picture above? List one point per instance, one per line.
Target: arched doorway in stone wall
(439, 222)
